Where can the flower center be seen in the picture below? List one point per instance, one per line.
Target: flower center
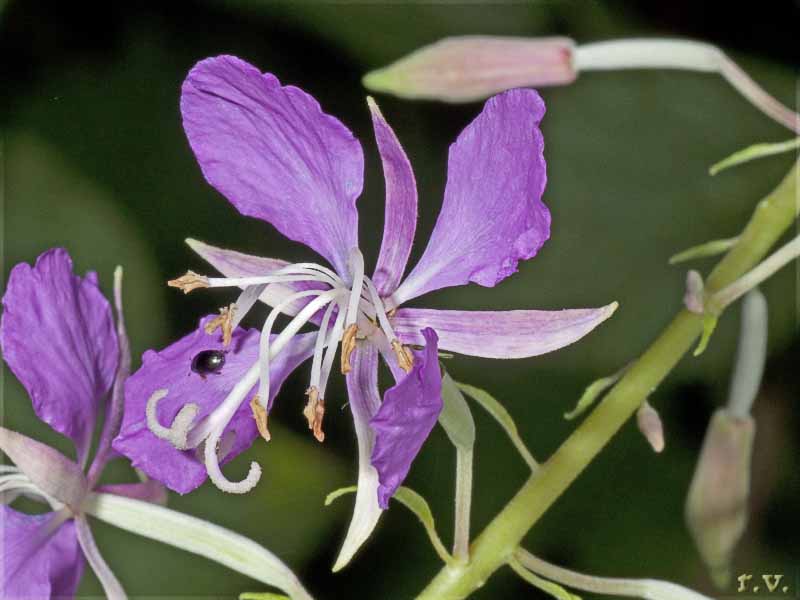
(338, 307)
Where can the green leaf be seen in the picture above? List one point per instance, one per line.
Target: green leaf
(198, 537)
(591, 393)
(555, 590)
(709, 325)
(262, 596)
(417, 505)
(456, 418)
(712, 248)
(503, 418)
(754, 152)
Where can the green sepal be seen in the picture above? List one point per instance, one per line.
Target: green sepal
(417, 505)
(753, 152)
(499, 413)
(456, 418)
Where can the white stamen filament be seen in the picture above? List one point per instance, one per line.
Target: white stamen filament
(296, 272)
(266, 354)
(357, 267)
(379, 310)
(319, 345)
(219, 418)
(218, 282)
(15, 484)
(330, 353)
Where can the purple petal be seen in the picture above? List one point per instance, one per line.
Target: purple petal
(57, 336)
(237, 264)
(272, 152)
(41, 559)
(492, 216)
(406, 418)
(500, 334)
(170, 369)
(400, 221)
(362, 389)
(46, 467)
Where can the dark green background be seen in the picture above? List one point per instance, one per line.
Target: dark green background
(95, 159)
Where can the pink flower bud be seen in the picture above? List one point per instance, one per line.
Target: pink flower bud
(461, 69)
(716, 507)
(649, 423)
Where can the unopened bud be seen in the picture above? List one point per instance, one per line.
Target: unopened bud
(462, 69)
(693, 298)
(716, 507)
(650, 425)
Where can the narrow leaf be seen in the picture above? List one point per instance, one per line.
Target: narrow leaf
(591, 393)
(709, 325)
(754, 152)
(336, 494)
(417, 505)
(712, 248)
(197, 536)
(499, 413)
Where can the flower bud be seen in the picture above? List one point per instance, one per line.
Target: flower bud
(716, 507)
(649, 423)
(461, 69)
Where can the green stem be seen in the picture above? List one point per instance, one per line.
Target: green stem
(497, 543)
(463, 503)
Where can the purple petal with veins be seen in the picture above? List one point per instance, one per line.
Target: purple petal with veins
(272, 152)
(400, 220)
(57, 336)
(406, 418)
(500, 334)
(492, 216)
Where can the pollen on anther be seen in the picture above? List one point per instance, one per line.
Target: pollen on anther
(190, 281)
(404, 357)
(260, 417)
(314, 412)
(223, 321)
(348, 345)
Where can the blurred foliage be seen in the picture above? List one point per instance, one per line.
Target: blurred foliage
(95, 159)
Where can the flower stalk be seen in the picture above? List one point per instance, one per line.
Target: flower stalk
(499, 541)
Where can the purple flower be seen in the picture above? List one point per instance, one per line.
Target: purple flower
(272, 152)
(58, 338)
